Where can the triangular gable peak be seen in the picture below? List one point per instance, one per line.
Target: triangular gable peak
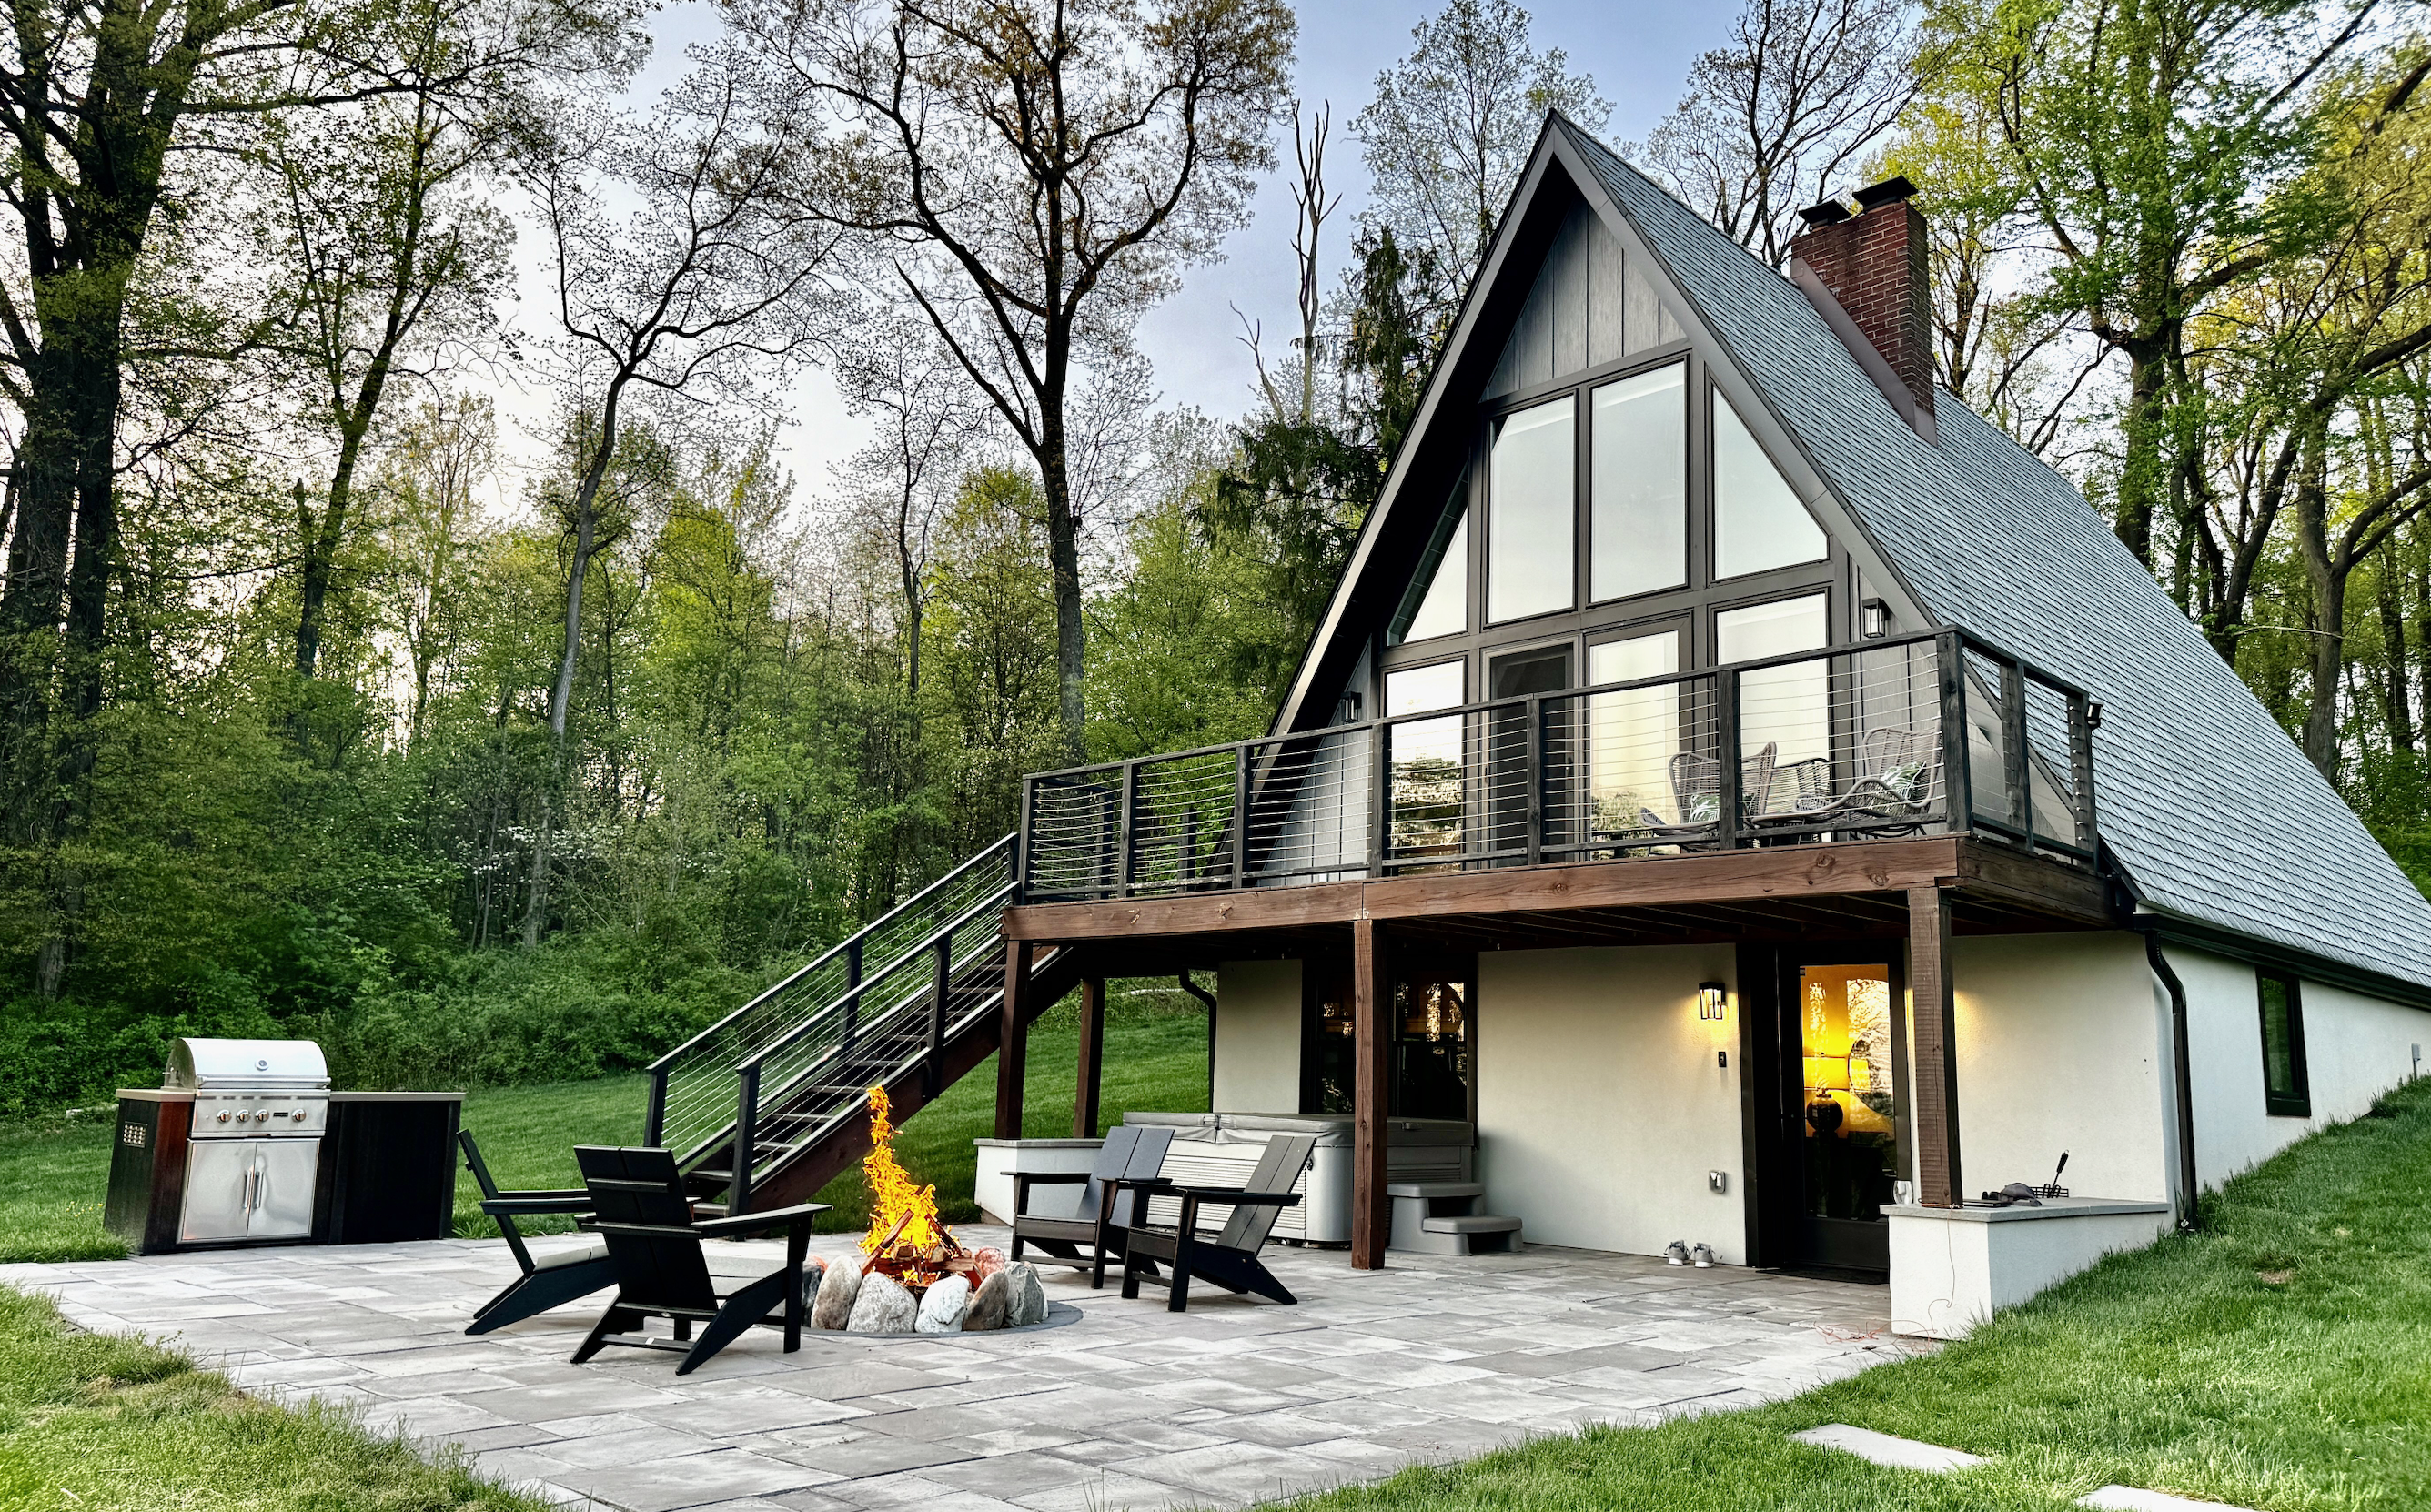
(1574, 344)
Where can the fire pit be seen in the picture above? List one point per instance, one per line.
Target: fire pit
(907, 1239)
(916, 1278)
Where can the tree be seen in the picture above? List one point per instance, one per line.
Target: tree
(427, 484)
(706, 280)
(909, 472)
(99, 100)
(390, 257)
(2155, 145)
(1038, 174)
(1447, 135)
(1780, 112)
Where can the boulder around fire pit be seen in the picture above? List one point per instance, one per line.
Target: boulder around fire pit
(883, 1307)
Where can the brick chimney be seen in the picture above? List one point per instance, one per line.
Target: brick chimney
(1865, 274)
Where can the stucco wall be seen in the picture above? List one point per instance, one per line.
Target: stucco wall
(1599, 1104)
(2062, 1045)
(2355, 1047)
(1257, 1036)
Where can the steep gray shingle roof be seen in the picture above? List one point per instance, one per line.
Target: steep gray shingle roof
(2208, 806)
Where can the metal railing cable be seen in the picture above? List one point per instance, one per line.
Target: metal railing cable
(693, 1088)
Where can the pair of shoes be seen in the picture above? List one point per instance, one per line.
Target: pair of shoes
(1704, 1254)
(1676, 1253)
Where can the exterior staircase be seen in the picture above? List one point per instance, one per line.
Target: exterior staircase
(767, 1105)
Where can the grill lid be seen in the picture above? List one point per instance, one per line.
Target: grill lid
(292, 1065)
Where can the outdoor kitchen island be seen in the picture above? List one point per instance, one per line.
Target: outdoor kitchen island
(243, 1143)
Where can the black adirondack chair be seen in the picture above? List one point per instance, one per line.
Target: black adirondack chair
(554, 1281)
(1229, 1258)
(640, 1207)
(1103, 1222)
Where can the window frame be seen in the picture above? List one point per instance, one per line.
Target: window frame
(2297, 1103)
(1594, 619)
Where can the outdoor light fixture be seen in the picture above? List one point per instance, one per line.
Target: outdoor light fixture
(1712, 1000)
(1878, 619)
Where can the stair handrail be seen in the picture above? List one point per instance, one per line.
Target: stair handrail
(750, 1092)
(667, 1061)
(995, 900)
(842, 1116)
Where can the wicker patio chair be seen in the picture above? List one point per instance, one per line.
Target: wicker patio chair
(1899, 769)
(1696, 790)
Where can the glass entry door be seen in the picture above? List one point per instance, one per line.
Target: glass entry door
(1848, 1124)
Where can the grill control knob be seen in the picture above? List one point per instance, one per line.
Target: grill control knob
(243, 1114)
(224, 1115)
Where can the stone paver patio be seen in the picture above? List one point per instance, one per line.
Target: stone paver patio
(1235, 1401)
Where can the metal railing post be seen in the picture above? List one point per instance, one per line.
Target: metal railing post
(654, 1120)
(1533, 773)
(2013, 752)
(1949, 651)
(853, 991)
(1021, 835)
(2080, 761)
(747, 1140)
(1731, 776)
(1240, 815)
(945, 987)
(1123, 830)
(1379, 797)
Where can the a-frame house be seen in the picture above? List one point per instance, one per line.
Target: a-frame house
(1749, 801)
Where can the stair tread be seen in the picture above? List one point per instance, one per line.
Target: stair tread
(1471, 1223)
(1434, 1189)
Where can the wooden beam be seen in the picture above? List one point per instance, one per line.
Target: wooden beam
(1257, 908)
(1934, 1028)
(1013, 1040)
(1093, 1057)
(1371, 1000)
(1775, 889)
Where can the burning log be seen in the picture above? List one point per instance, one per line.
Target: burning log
(906, 1239)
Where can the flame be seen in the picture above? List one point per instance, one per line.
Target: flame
(892, 1195)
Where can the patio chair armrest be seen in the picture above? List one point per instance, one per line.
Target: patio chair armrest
(776, 1218)
(520, 1204)
(582, 1193)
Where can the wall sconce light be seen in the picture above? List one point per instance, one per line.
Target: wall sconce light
(1877, 622)
(1713, 1002)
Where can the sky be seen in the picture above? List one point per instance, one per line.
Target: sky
(1638, 52)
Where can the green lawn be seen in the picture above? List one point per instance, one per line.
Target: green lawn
(53, 1175)
(90, 1422)
(2279, 1360)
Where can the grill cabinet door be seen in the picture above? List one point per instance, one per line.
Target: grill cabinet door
(282, 1187)
(219, 1181)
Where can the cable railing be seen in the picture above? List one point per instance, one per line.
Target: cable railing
(786, 1028)
(1933, 733)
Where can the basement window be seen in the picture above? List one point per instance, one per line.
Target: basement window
(2285, 1092)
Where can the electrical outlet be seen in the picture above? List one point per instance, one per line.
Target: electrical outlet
(1717, 1181)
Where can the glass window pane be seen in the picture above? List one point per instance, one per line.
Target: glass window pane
(1533, 490)
(1633, 735)
(1788, 708)
(1639, 485)
(1417, 689)
(2278, 1042)
(1443, 610)
(1758, 523)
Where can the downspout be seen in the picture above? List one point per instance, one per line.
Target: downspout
(1209, 999)
(2190, 1206)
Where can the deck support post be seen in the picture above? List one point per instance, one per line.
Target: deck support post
(1371, 1213)
(1934, 1027)
(1093, 1056)
(1013, 1040)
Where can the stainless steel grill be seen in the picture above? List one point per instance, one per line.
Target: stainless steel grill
(260, 1107)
